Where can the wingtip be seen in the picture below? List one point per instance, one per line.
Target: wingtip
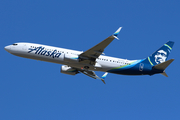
(105, 75)
(117, 31)
(103, 81)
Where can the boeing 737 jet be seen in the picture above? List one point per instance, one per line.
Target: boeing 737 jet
(93, 59)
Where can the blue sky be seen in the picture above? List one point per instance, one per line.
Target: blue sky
(31, 89)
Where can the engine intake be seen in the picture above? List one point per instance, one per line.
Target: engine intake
(68, 70)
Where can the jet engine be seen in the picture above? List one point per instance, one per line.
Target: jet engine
(68, 70)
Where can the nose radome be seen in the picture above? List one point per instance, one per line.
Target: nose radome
(7, 48)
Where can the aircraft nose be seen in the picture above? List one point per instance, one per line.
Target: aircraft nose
(7, 48)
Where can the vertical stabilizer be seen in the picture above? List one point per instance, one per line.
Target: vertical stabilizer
(161, 54)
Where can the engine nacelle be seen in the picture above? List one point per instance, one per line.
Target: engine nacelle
(68, 70)
(71, 58)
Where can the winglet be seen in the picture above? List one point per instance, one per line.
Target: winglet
(117, 32)
(103, 77)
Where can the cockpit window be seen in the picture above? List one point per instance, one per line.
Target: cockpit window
(15, 44)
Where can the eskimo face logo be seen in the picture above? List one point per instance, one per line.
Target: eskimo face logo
(160, 56)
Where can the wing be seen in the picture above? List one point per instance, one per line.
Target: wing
(93, 75)
(90, 55)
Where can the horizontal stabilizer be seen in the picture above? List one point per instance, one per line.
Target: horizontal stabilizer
(164, 74)
(164, 65)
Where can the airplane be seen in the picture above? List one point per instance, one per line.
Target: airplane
(93, 59)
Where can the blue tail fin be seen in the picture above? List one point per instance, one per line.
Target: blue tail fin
(161, 54)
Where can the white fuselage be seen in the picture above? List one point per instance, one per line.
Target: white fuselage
(63, 56)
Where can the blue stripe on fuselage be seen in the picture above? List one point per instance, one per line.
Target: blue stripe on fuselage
(134, 69)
